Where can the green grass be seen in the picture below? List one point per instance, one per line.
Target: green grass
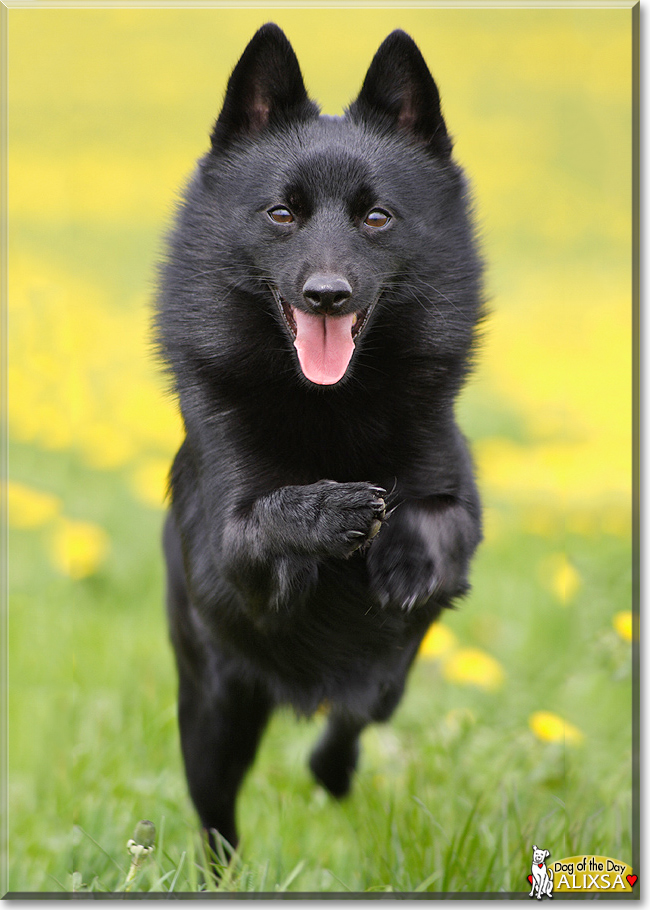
(450, 795)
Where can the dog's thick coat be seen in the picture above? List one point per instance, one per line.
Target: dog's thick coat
(317, 312)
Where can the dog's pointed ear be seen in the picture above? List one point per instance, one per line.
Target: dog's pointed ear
(400, 91)
(266, 86)
(534, 847)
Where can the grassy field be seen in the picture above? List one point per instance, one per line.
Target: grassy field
(517, 724)
(458, 787)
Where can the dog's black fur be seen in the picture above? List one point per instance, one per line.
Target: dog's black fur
(280, 590)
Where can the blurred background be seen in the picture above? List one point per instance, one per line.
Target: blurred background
(517, 725)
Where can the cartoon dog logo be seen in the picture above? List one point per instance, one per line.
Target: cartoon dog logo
(542, 878)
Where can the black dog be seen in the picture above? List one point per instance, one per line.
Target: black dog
(317, 312)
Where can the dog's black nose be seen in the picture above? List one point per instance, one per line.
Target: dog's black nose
(326, 293)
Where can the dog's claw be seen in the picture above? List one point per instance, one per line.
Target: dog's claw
(409, 603)
(356, 539)
(379, 507)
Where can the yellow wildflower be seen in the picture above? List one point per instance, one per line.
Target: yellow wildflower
(149, 481)
(622, 622)
(551, 728)
(78, 547)
(470, 666)
(560, 576)
(30, 508)
(438, 641)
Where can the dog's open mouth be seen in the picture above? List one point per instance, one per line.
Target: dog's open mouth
(325, 344)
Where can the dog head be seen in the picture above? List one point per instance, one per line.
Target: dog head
(305, 232)
(539, 855)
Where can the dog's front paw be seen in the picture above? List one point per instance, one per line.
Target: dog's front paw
(348, 516)
(401, 576)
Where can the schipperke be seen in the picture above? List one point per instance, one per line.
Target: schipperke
(317, 312)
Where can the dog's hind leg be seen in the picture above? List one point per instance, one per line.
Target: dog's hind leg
(221, 724)
(335, 755)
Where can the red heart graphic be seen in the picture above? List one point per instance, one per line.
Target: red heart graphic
(530, 879)
(540, 865)
(631, 880)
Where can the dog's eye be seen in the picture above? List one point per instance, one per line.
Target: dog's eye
(280, 215)
(377, 218)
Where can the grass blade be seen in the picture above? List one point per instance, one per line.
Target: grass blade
(427, 881)
(293, 875)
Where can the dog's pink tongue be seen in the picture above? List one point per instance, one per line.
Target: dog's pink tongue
(324, 345)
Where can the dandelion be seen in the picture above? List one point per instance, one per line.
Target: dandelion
(78, 547)
(30, 508)
(139, 846)
(622, 622)
(84, 384)
(149, 481)
(473, 667)
(560, 576)
(439, 640)
(551, 728)
(566, 581)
